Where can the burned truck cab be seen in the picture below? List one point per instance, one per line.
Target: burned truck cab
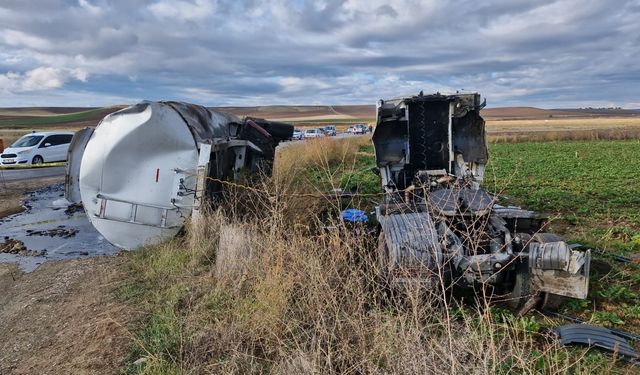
(438, 224)
(429, 133)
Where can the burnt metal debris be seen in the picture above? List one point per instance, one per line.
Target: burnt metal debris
(598, 337)
(438, 224)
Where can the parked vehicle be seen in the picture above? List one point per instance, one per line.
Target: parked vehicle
(37, 148)
(297, 134)
(330, 130)
(313, 133)
(349, 130)
(360, 129)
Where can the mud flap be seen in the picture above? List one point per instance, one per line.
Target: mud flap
(599, 337)
(414, 253)
(556, 268)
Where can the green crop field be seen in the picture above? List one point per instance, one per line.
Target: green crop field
(55, 119)
(586, 183)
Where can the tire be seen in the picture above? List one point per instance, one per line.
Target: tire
(521, 288)
(549, 301)
(37, 160)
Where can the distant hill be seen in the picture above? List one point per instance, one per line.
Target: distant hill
(41, 111)
(524, 113)
(305, 111)
(39, 117)
(603, 111)
(368, 112)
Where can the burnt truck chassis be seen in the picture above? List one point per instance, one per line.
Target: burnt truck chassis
(437, 224)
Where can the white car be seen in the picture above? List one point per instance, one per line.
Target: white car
(37, 148)
(313, 133)
(360, 129)
(297, 134)
(330, 130)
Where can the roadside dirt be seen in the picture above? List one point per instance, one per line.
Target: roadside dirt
(62, 318)
(11, 193)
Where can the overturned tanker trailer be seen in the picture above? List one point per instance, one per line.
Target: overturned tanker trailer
(437, 224)
(145, 169)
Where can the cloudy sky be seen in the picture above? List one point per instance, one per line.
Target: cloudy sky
(562, 53)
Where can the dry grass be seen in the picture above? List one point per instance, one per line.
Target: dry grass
(327, 159)
(264, 293)
(313, 305)
(602, 128)
(315, 152)
(564, 135)
(563, 124)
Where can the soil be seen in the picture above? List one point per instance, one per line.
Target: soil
(62, 318)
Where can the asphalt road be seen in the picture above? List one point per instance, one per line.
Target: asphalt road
(337, 136)
(8, 175)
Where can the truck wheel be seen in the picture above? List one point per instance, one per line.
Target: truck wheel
(549, 301)
(521, 288)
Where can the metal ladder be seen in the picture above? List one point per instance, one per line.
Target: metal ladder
(102, 214)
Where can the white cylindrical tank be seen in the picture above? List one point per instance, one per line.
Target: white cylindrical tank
(133, 168)
(137, 172)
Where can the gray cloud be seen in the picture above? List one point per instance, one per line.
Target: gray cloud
(546, 53)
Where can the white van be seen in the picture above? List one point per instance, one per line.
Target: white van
(37, 148)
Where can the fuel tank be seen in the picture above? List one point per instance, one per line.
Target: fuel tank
(136, 173)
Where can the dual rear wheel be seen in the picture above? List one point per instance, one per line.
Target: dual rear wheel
(522, 291)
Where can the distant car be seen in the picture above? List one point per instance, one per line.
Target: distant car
(360, 129)
(313, 133)
(37, 148)
(349, 130)
(297, 134)
(330, 130)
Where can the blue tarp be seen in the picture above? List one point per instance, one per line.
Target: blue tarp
(354, 215)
